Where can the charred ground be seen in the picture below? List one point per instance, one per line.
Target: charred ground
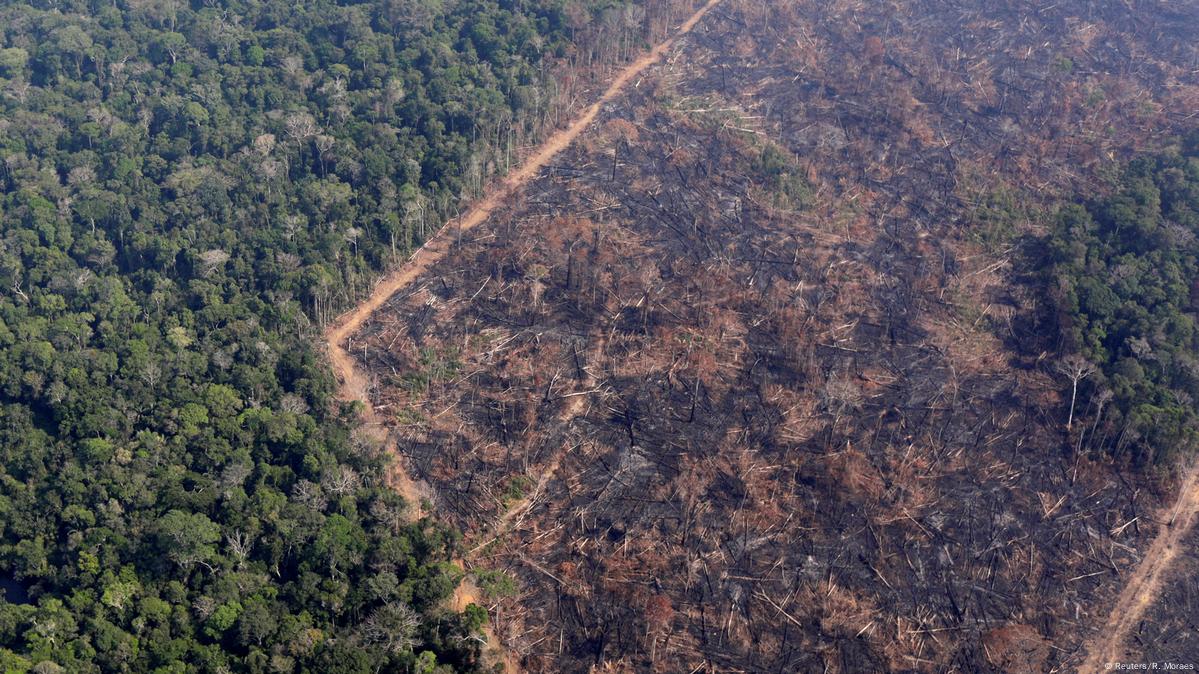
(750, 380)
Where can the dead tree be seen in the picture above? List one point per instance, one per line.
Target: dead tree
(1076, 368)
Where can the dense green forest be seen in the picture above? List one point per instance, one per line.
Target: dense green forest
(1124, 271)
(187, 191)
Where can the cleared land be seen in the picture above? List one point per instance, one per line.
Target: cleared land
(746, 379)
(354, 382)
(1160, 591)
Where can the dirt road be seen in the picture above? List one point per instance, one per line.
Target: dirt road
(1145, 583)
(355, 384)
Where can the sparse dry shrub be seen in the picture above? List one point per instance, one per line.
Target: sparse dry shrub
(1025, 566)
(745, 46)
(909, 645)
(1017, 649)
(840, 611)
(681, 157)
(855, 473)
(874, 50)
(909, 468)
(800, 418)
(618, 666)
(620, 131)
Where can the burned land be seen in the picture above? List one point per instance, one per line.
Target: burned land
(1170, 631)
(755, 376)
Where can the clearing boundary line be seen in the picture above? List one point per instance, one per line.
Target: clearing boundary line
(354, 384)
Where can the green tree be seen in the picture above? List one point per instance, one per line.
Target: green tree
(188, 538)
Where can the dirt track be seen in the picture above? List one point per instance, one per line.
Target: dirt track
(354, 383)
(1145, 583)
